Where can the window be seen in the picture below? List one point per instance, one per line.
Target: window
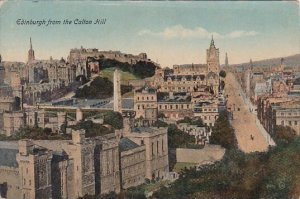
(295, 122)
(157, 147)
(159, 106)
(282, 123)
(138, 107)
(290, 123)
(282, 114)
(152, 148)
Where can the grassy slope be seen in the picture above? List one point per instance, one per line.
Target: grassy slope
(125, 76)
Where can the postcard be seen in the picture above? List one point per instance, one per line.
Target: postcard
(149, 99)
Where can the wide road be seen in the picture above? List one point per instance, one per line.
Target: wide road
(248, 135)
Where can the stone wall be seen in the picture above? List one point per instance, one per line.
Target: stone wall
(210, 153)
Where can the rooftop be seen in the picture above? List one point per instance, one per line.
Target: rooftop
(126, 144)
(8, 153)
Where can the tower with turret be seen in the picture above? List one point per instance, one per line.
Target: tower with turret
(213, 67)
(212, 58)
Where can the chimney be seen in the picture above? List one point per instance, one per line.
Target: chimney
(24, 147)
(79, 115)
(78, 136)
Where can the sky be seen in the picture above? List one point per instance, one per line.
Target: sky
(169, 32)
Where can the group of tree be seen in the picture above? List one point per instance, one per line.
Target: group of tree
(114, 119)
(272, 174)
(36, 133)
(223, 133)
(192, 121)
(92, 129)
(141, 69)
(179, 139)
(100, 88)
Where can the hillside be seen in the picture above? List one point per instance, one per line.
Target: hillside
(125, 76)
(290, 61)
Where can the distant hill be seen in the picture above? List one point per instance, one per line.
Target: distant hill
(290, 61)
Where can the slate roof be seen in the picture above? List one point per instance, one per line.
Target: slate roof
(297, 81)
(8, 153)
(126, 144)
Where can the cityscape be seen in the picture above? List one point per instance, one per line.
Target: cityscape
(114, 123)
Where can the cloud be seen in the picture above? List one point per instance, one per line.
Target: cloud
(181, 32)
(241, 33)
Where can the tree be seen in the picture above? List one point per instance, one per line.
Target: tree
(114, 119)
(284, 134)
(99, 88)
(223, 133)
(222, 73)
(177, 138)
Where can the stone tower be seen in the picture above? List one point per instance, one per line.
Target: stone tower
(226, 61)
(35, 170)
(2, 71)
(282, 65)
(30, 53)
(117, 92)
(212, 57)
(248, 78)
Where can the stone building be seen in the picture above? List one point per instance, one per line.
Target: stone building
(145, 104)
(189, 77)
(155, 141)
(68, 169)
(132, 162)
(83, 54)
(208, 112)
(14, 120)
(176, 106)
(272, 111)
(60, 169)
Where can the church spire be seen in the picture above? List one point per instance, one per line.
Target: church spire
(31, 53)
(212, 43)
(226, 60)
(30, 44)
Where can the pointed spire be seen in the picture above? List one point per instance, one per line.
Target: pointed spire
(30, 44)
(212, 43)
(226, 60)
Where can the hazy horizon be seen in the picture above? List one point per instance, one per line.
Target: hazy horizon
(169, 32)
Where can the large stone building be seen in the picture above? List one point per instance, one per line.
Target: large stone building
(189, 90)
(68, 169)
(82, 55)
(276, 111)
(60, 169)
(190, 77)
